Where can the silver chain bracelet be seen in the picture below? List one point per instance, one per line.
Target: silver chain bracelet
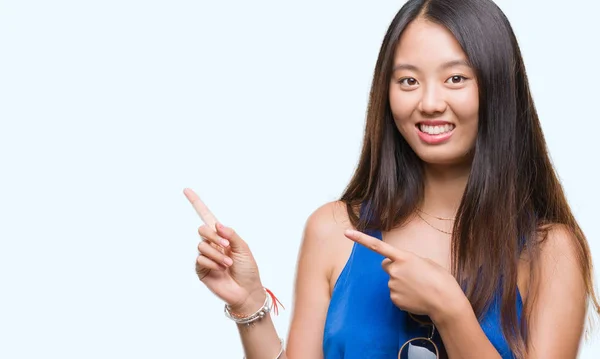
(259, 314)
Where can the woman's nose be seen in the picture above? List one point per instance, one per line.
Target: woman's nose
(432, 100)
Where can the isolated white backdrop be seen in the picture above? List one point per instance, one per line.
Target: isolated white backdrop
(110, 108)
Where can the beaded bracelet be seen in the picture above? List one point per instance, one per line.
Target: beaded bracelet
(259, 314)
(270, 301)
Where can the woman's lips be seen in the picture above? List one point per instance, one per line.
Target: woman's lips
(434, 132)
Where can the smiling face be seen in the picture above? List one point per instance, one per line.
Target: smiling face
(433, 94)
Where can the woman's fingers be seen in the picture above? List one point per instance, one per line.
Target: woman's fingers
(209, 234)
(201, 208)
(203, 264)
(208, 250)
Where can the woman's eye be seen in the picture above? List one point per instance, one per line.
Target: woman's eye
(456, 79)
(408, 81)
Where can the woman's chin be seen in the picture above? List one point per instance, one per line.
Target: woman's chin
(445, 159)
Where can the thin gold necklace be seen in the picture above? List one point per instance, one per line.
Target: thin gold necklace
(440, 218)
(431, 225)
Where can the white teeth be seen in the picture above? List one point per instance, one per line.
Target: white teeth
(436, 130)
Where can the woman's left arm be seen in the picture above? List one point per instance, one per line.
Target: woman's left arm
(558, 314)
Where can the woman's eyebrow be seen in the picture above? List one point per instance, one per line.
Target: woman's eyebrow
(442, 67)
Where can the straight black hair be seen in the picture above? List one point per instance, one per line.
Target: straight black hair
(513, 196)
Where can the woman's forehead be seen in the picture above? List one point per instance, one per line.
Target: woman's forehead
(427, 43)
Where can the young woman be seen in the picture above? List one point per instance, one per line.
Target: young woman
(452, 239)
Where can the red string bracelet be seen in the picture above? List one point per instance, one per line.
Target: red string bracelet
(274, 301)
(274, 305)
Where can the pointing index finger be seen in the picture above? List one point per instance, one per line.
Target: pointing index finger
(374, 244)
(205, 214)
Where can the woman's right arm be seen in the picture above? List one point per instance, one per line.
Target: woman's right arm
(227, 267)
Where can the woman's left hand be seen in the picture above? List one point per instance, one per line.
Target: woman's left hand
(417, 285)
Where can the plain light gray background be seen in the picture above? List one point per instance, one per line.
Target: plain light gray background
(110, 108)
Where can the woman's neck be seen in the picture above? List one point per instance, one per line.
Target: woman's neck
(443, 189)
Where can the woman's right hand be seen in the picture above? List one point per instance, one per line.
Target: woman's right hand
(225, 263)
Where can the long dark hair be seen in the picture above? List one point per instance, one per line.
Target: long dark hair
(512, 194)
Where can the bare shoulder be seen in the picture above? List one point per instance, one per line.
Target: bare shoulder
(562, 261)
(319, 251)
(559, 309)
(559, 247)
(329, 220)
(324, 239)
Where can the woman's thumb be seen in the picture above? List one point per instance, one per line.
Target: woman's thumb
(235, 241)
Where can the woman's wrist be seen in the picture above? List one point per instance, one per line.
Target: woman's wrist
(451, 306)
(253, 303)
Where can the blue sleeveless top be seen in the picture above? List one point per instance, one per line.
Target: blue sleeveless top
(363, 322)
